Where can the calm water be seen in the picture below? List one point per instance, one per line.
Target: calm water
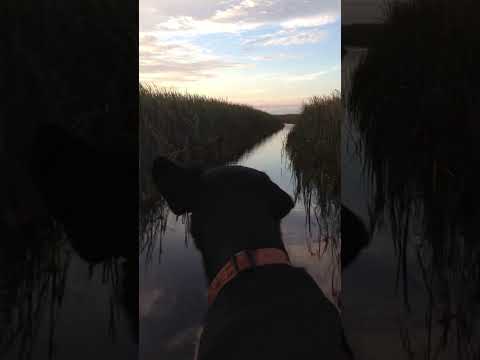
(73, 309)
(373, 311)
(173, 289)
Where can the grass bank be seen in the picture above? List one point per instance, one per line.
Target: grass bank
(191, 129)
(196, 129)
(288, 118)
(414, 101)
(313, 147)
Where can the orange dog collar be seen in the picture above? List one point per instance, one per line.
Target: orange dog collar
(244, 260)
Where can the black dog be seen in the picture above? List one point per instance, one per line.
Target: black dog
(91, 192)
(275, 311)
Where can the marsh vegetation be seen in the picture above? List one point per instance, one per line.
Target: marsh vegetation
(313, 149)
(193, 130)
(70, 65)
(413, 101)
(34, 280)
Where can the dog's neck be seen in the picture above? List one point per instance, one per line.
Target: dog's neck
(221, 242)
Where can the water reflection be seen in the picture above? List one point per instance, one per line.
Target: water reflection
(304, 240)
(33, 278)
(62, 275)
(417, 146)
(173, 290)
(50, 298)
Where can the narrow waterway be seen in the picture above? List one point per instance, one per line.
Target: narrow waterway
(173, 288)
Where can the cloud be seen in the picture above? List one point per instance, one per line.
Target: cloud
(273, 57)
(296, 77)
(262, 58)
(273, 11)
(235, 11)
(187, 26)
(310, 21)
(287, 38)
(178, 72)
(208, 16)
(203, 45)
(310, 76)
(167, 61)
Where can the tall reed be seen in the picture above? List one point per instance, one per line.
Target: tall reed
(414, 101)
(313, 147)
(33, 280)
(192, 129)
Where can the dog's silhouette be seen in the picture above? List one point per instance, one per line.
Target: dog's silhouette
(91, 192)
(267, 312)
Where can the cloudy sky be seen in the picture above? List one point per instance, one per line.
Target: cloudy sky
(272, 54)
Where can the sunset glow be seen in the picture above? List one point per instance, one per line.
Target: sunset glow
(272, 54)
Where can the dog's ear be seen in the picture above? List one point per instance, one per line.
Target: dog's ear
(280, 202)
(178, 185)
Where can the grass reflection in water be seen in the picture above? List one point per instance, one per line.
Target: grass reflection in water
(413, 102)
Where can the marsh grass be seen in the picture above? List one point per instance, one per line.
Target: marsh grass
(112, 273)
(313, 147)
(79, 61)
(35, 283)
(194, 130)
(33, 279)
(153, 224)
(414, 102)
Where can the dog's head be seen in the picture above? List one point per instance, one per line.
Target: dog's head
(220, 194)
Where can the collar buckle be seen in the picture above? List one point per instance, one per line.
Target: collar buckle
(250, 256)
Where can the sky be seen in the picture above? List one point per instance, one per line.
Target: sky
(271, 54)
